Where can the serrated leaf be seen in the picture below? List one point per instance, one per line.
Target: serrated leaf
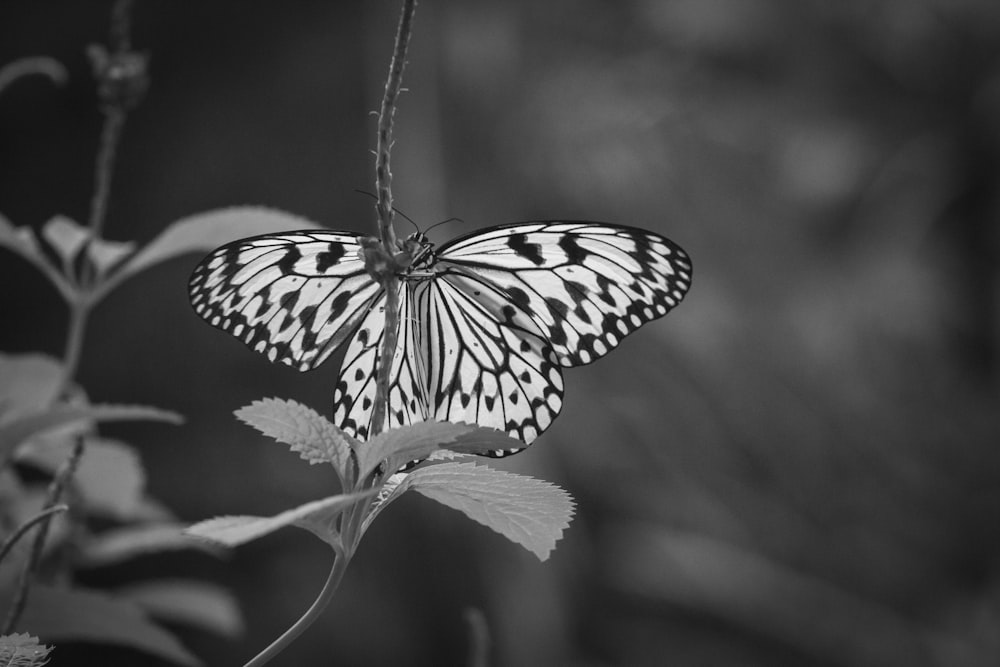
(399, 446)
(110, 476)
(203, 232)
(66, 236)
(22, 650)
(112, 547)
(190, 602)
(20, 429)
(318, 517)
(28, 383)
(105, 254)
(525, 510)
(82, 615)
(307, 432)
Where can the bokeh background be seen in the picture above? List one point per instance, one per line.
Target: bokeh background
(799, 466)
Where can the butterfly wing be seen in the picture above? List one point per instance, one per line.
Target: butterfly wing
(586, 285)
(294, 297)
(463, 355)
(487, 362)
(354, 397)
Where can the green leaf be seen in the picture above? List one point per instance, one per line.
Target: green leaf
(399, 446)
(112, 547)
(66, 236)
(194, 603)
(19, 239)
(23, 650)
(22, 241)
(203, 232)
(17, 430)
(306, 431)
(80, 615)
(105, 254)
(110, 477)
(28, 383)
(318, 517)
(29, 65)
(525, 510)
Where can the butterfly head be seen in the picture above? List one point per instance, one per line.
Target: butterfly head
(416, 252)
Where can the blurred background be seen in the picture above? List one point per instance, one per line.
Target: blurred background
(798, 466)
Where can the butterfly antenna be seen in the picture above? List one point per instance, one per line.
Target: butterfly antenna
(438, 224)
(396, 210)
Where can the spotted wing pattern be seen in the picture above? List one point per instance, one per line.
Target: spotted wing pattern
(485, 326)
(491, 319)
(354, 397)
(464, 354)
(294, 297)
(586, 285)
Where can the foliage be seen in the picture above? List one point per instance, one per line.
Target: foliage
(22, 650)
(49, 427)
(524, 510)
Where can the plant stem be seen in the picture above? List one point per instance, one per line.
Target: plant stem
(115, 112)
(386, 114)
(383, 208)
(111, 132)
(56, 488)
(78, 313)
(354, 518)
(329, 588)
(104, 163)
(28, 525)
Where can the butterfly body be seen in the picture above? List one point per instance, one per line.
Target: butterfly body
(487, 321)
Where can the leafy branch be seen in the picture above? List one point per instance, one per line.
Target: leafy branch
(527, 511)
(44, 421)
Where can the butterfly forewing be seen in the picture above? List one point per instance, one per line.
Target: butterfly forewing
(585, 284)
(294, 297)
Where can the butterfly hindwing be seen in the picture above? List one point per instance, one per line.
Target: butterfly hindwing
(586, 284)
(294, 297)
(354, 397)
(487, 361)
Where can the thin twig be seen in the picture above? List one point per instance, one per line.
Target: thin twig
(107, 151)
(120, 88)
(55, 492)
(322, 600)
(115, 112)
(354, 517)
(384, 210)
(121, 26)
(26, 526)
(386, 114)
(78, 313)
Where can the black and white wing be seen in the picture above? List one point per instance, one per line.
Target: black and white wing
(463, 355)
(294, 296)
(501, 311)
(586, 285)
(354, 397)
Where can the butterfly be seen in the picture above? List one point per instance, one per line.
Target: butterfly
(487, 320)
